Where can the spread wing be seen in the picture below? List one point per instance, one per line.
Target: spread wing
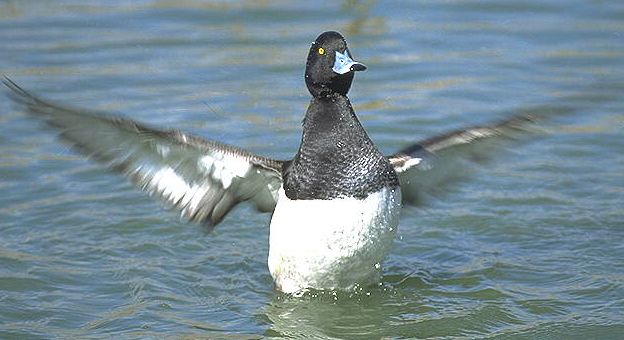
(202, 179)
(427, 167)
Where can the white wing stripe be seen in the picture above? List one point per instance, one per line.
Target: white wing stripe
(172, 186)
(408, 163)
(224, 168)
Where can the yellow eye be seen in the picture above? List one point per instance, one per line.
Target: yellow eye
(321, 51)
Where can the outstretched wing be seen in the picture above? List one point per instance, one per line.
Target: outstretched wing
(202, 179)
(427, 167)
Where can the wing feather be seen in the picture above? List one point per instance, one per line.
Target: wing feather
(200, 178)
(427, 167)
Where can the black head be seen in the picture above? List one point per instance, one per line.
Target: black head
(329, 68)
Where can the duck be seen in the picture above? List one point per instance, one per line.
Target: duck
(335, 206)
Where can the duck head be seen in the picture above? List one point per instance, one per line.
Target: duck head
(330, 68)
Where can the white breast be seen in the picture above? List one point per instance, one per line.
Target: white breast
(331, 244)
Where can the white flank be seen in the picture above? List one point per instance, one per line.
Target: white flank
(331, 244)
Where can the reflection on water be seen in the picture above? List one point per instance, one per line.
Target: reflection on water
(526, 243)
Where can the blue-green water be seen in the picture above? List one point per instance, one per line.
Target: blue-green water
(528, 245)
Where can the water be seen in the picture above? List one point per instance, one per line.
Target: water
(528, 245)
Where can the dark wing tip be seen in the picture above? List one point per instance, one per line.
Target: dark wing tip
(17, 92)
(504, 128)
(34, 104)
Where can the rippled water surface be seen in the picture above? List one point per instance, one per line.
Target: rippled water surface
(527, 245)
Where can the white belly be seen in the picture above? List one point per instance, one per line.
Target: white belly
(331, 244)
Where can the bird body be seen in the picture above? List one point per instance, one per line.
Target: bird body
(335, 204)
